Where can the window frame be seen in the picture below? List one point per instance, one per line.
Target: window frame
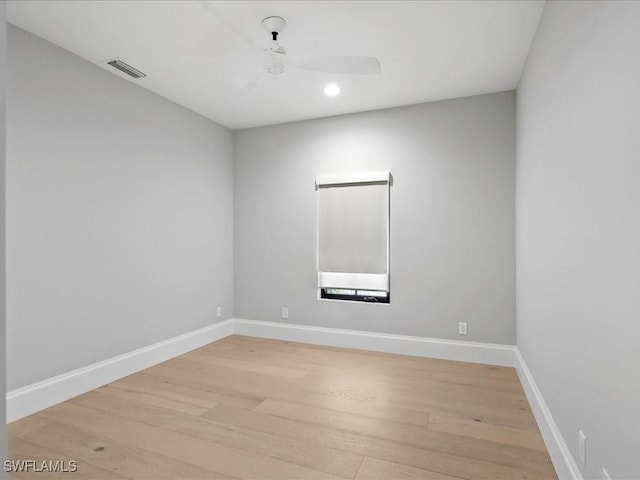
(355, 297)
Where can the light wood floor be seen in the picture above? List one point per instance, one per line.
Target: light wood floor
(264, 409)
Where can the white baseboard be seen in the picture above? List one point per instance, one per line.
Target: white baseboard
(38, 396)
(32, 398)
(561, 457)
(489, 353)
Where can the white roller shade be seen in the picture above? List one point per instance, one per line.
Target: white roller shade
(353, 231)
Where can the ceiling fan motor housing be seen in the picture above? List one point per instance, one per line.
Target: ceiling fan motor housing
(274, 25)
(275, 68)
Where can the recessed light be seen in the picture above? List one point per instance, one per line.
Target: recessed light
(332, 90)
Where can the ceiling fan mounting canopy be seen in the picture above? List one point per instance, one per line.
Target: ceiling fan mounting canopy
(274, 24)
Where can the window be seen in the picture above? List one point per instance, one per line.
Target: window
(353, 237)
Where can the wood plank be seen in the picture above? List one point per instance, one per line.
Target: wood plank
(249, 366)
(25, 425)
(160, 389)
(374, 469)
(510, 385)
(155, 400)
(520, 418)
(202, 389)
(473, 428)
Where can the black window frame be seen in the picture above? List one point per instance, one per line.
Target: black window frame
(355, 297)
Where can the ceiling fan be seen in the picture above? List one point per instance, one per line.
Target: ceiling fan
(274, 25)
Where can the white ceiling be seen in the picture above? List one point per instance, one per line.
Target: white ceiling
(428, 50)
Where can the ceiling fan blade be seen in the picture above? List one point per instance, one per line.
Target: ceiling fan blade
(251, 85)
(334, 64)
(215, 11)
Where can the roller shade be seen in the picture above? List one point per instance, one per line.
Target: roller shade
(353, 231)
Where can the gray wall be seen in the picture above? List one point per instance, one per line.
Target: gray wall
(578, 228)
(452, 217)
(119, 214)
(3, 343)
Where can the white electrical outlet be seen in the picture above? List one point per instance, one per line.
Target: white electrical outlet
(462, 328)
(605, 475)
(285, 313)
(582, 447)
(219, 312)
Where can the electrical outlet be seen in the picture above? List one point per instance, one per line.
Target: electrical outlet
(605, 475)
(462, 328)
(285, 313)
(582, 447)
(219, 312)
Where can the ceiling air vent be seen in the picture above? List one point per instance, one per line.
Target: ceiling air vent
(128, 69)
